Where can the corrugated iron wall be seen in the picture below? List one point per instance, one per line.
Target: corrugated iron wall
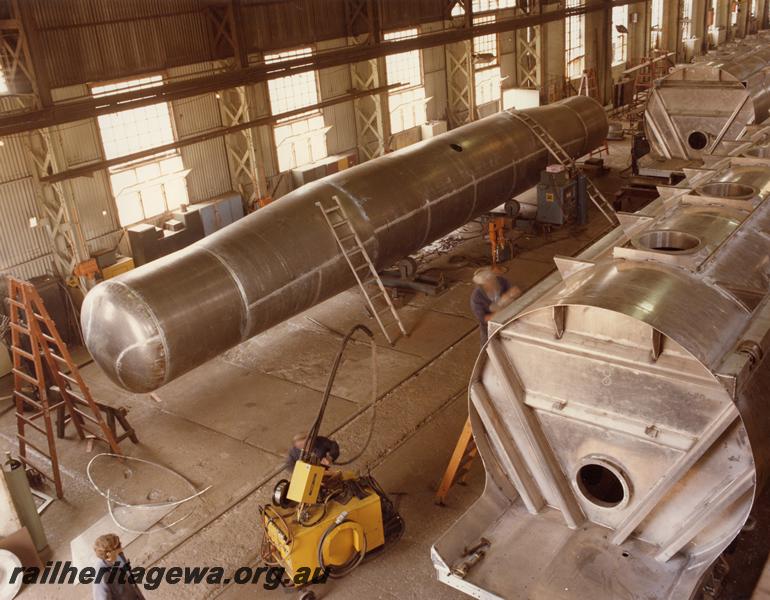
(333, 82)
(96, 40)
(209, 175)
(271, 26)
(395, 14)
(24, 249)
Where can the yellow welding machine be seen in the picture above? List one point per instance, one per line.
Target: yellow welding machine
(347, 530)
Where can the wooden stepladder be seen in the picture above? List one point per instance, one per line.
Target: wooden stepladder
(460, 463)
(364, 271)
(31, 323)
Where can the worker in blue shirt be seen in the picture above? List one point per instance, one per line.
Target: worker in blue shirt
(491, 294)
(325, 451)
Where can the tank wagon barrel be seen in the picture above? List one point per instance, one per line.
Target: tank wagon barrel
(151, 325)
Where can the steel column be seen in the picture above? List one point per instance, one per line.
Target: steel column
(54, 200)
(528, 63)
(460, 83)
(56, 207)
(371, 125)
(243, 154)
(372, 128)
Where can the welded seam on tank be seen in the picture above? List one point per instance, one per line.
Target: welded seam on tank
(362, 213)
(463, 188)
(371, 240)
(298, 280)
(401, 218)
(119, 358)
(245, 324)
(586, 133)
(515, 165)
(160, 335)
(711, 263)
(564, 145)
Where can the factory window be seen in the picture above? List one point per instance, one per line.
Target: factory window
(301, 138)
(733, 13)
(619, 35)
(656, 23)
(3, 83)
(490, 5)
(687, 19)
(150, 186)
(753, 9)
(486, 64)
(407, 105)
(457, 9)
(574, 41)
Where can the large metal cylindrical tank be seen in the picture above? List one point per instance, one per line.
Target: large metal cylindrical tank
(157, 322)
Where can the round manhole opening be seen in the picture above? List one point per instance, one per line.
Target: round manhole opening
(667, 240)
(727, 189)
(697, 140)
(601, 485)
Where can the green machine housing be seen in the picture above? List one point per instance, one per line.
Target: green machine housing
(561, 197)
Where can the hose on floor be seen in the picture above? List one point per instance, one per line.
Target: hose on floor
(170, 505)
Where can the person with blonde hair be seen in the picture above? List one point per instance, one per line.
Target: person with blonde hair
(113, 572)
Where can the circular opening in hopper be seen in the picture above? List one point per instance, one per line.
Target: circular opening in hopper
(601, 484)
(667, 241)
(697, 140)
(727, 189)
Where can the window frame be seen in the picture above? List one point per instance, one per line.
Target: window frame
(507, 4)
(5, 89)
(569, 46)
(492, 67)
(409, 89)
(311, 114)
(622, 37)
(657, 20)
(157, 158)
(688, 9)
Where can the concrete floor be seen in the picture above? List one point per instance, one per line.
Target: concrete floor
(229, 423)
